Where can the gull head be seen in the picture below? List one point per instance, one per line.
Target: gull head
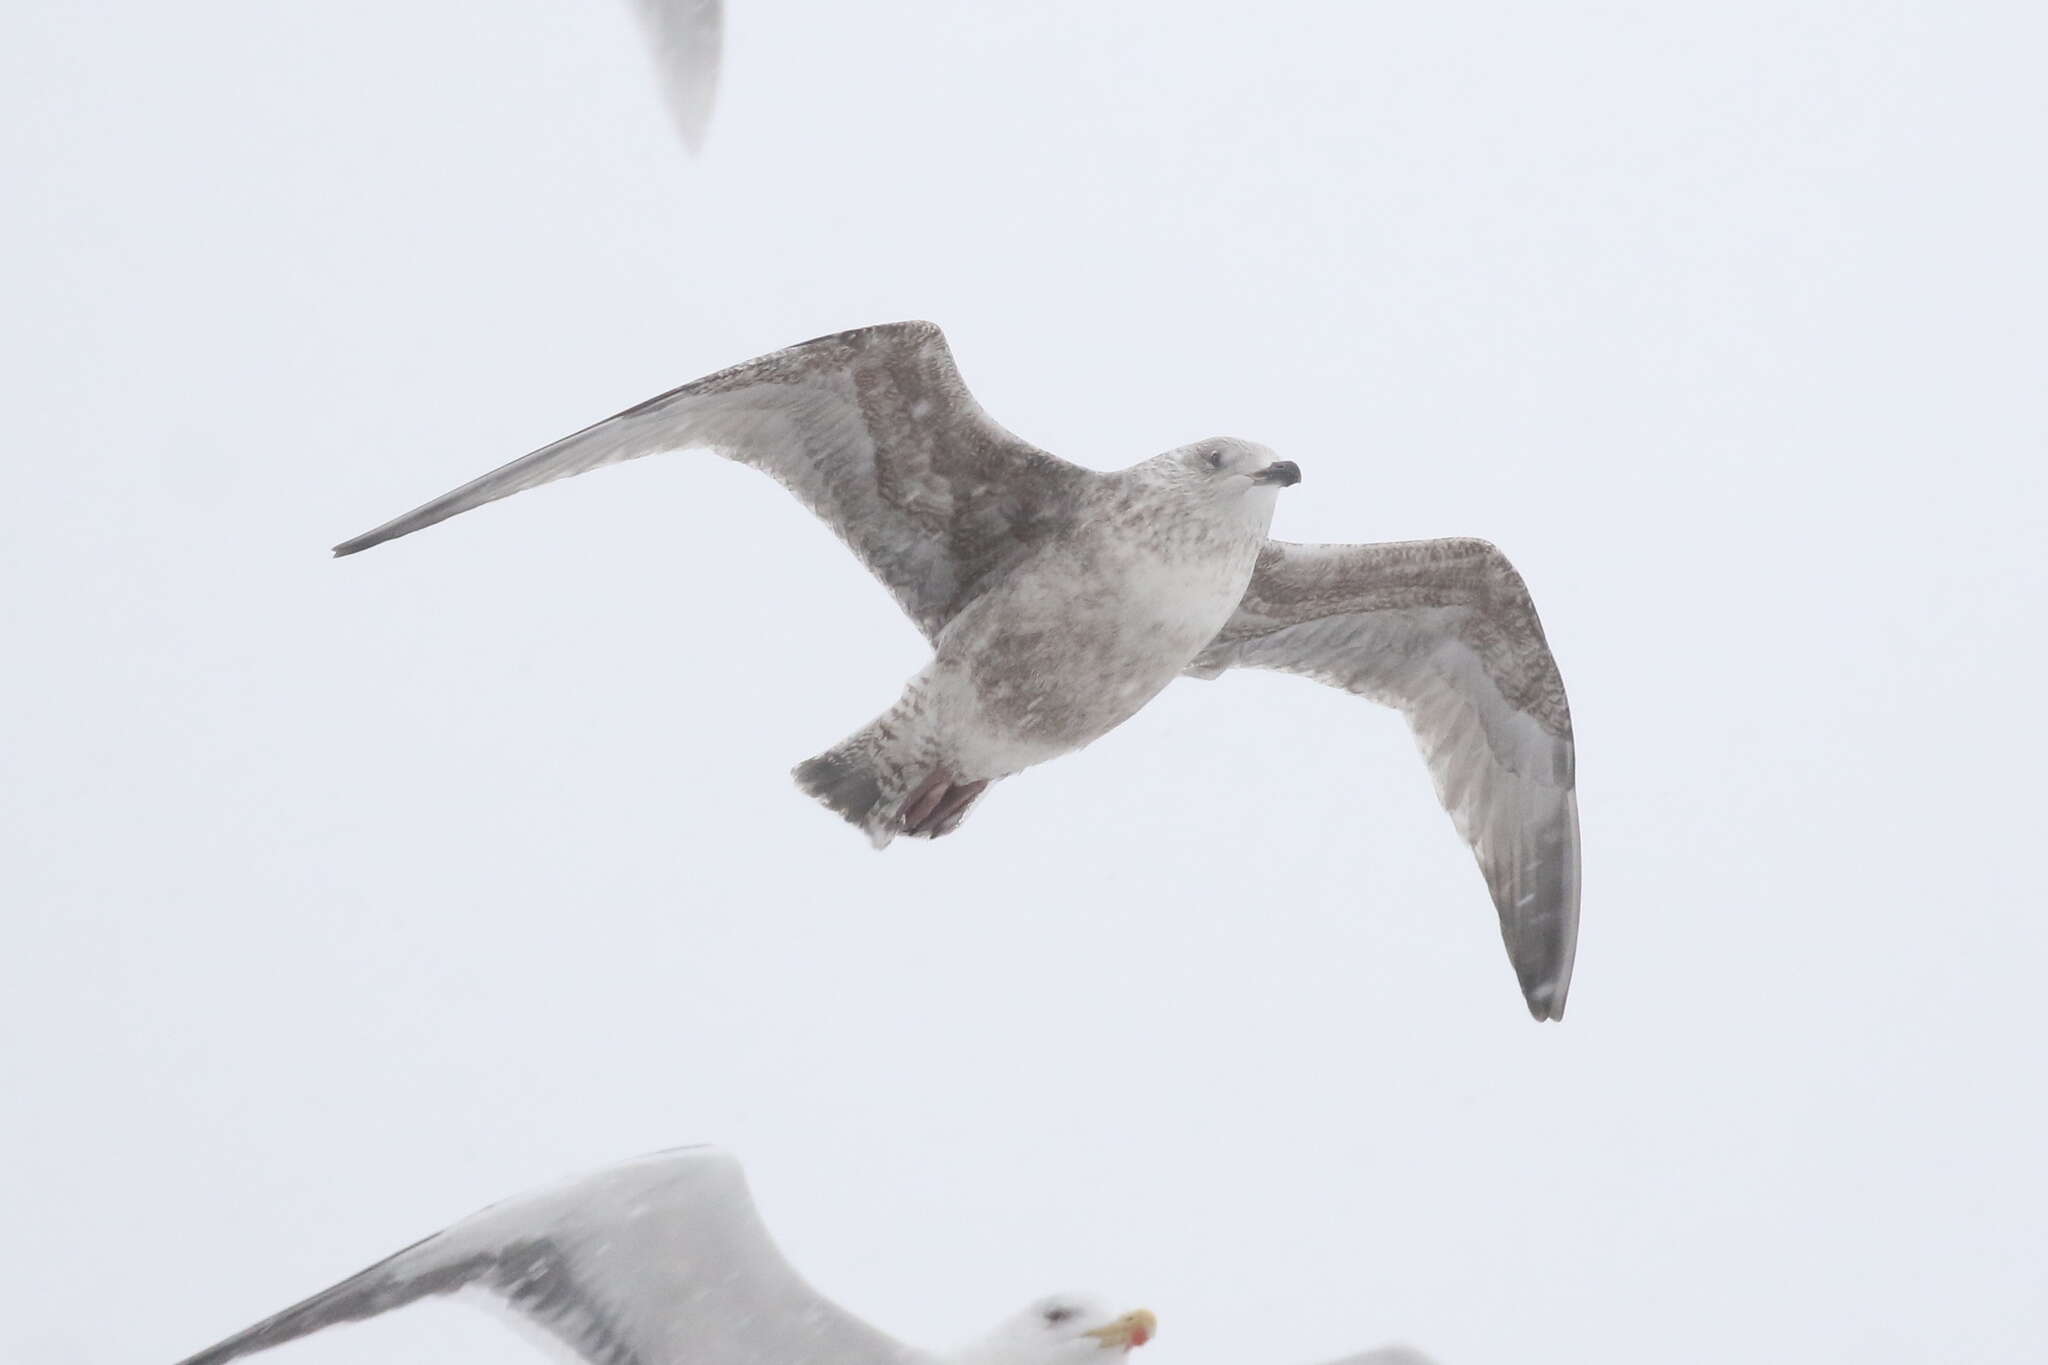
(1226, 467)
(1065, 1329)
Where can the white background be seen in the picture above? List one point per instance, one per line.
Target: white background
(343, 898)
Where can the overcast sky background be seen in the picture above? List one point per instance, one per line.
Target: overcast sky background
(347, 897)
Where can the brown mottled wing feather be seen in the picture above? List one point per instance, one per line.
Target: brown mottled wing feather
(653, 1261)
(1444, 631)
(873, 430)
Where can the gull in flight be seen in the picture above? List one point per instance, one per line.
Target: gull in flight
(663, 1261)
(1059, 600)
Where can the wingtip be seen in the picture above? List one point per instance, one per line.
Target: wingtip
(694, 129)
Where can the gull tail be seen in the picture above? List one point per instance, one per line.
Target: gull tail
(885, 781)
(853, 780)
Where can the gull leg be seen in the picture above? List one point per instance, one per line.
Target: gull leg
(923, 799)
(947, 815)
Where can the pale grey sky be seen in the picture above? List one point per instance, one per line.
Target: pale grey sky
(348, 897)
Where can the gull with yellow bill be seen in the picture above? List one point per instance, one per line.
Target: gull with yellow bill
(663, 1261)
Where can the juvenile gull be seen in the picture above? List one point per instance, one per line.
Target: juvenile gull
(663, 1261)
(1059, 601)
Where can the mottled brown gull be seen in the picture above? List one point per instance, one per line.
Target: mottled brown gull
(1059, 600)
(663, 1261)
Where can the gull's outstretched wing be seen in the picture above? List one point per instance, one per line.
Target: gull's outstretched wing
(873, 430)
(648, 1263)
(1387, 1355)
(686, 36)
(1444, 631)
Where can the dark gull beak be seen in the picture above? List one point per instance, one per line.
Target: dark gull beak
(1286, 473)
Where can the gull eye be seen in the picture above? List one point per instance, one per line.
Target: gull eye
(1215, 459)
(1057, 1314)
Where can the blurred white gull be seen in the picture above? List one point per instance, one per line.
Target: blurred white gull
(663, 1261)
(1059, 601)
(685, 37)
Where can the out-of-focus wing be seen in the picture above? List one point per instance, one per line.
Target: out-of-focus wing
(1444, 631)
(872, 429)
(654, 1261)
(685, 37)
